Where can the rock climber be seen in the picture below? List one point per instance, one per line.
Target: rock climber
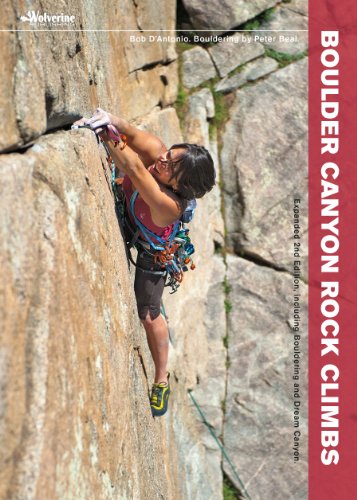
(166, 179)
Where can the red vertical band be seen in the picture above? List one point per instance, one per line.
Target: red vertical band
(333, 319)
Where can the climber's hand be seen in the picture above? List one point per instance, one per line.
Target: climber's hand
(100, 131)
(79, 123)
(99, 120)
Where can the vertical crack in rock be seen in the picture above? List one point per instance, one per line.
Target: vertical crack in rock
(136, 8)
(50, 101)
(141, 359)
(240, 195)
(225, 343)
(227, 290)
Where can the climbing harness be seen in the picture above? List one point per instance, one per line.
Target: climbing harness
(220, 445)
(172, 254)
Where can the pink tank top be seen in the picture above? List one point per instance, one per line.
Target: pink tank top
(142, 212)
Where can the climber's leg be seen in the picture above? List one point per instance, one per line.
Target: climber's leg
(158, 340)
(148, 290)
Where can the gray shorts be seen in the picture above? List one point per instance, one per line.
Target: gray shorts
(148, 287)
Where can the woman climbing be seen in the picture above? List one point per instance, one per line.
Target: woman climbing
(165, 179)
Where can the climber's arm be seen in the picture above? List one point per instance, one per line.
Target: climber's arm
(148, 146)
(163, 205)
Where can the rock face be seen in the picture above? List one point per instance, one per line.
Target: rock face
(197, 67)
(299, 6)
(196, 313)
(50, 78)
(251, 71)
(258, 429)
(229, 55)
(293, 20)
(269, 169)
(222, 16)
(71, 342)
(263, 172)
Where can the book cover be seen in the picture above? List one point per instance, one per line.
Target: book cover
(262, 342)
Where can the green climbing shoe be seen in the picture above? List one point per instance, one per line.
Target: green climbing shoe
(160, 398)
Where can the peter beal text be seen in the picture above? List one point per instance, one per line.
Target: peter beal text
(239, 38)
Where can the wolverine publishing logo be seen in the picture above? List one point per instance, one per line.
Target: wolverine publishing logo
(47, 19)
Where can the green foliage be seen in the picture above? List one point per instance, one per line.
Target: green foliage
(221, 109)
(284, 59)
(181, 96)
(181, 102)
(182, 46)
(225, 341)
(220, 105)
(266, 15)
(228, 306)
(227, 288)
(251, 25)
(229, 491)
(254, 24)
(236, 70)
(227, 303)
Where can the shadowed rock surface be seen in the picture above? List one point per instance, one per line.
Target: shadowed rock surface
(269, 169)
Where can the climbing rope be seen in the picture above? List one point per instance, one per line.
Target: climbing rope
(163, 312)
(220, 445)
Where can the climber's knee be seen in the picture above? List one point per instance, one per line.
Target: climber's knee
(149, 317)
